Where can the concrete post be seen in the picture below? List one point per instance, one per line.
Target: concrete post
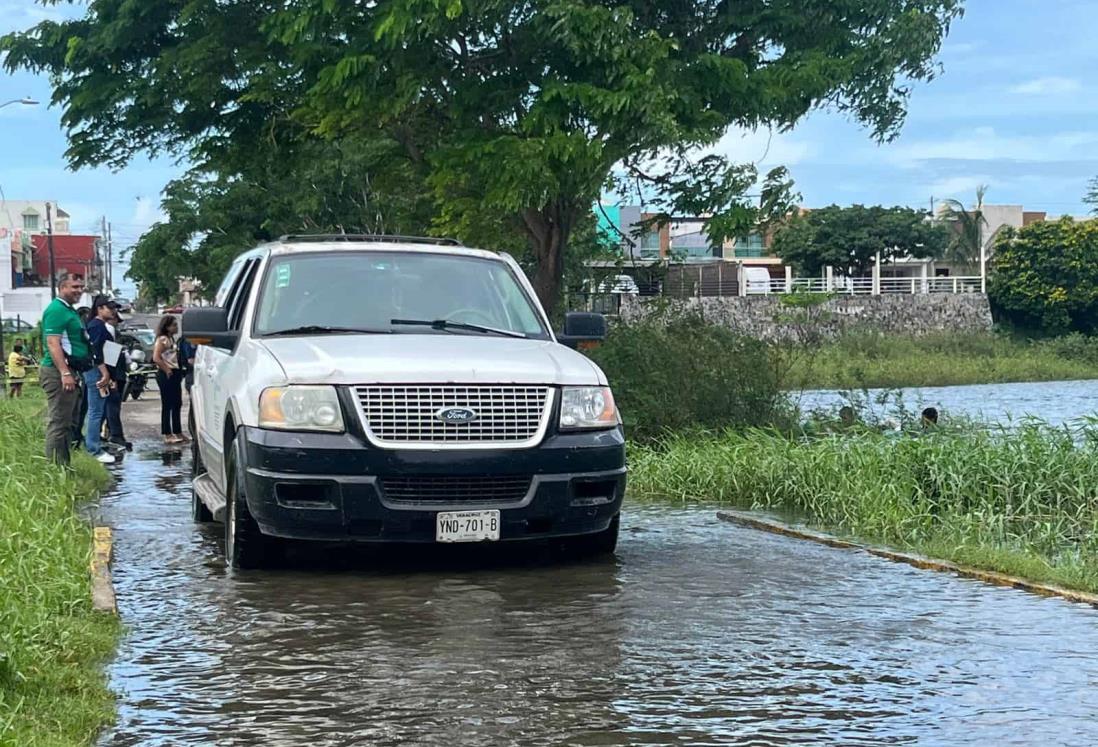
(829, 278)
(983, 268)
(925, 284)
(741, 284)
(877, 274)
(788, 279)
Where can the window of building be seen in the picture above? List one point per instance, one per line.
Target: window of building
(751, 245)
(30, 221)
(650, 245)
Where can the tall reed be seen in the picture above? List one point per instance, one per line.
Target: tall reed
(1023, 501)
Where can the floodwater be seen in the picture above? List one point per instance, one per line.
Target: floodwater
(1056, 402)
(698, 633)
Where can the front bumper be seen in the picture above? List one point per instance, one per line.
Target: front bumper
(333, 486)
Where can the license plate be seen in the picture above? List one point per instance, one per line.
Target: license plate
(467, 526)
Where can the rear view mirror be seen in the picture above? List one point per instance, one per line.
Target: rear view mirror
(583, 330)
(209, 325)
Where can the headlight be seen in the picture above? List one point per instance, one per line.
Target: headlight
(300, 408)
(584, 407)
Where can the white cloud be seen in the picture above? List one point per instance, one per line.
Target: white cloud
(1052, 85)
(959, 186)
(986, 144)
(763, 147)
(146, 212)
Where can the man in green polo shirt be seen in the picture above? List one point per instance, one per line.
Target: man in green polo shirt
(65, 341)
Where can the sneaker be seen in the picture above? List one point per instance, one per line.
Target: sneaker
(104, 458)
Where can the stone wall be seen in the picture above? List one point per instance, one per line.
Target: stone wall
(766, 317)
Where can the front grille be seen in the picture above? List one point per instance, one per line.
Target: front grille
(407, 415)
(428, 489)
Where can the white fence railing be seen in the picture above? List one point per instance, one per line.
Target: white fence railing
(860, 286)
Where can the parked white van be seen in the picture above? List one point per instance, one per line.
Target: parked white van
(385, 389)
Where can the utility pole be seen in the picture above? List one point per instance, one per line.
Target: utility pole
(101, 254)
(110, 262)
(49, 248)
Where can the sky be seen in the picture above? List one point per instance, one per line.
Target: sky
(1016, 109)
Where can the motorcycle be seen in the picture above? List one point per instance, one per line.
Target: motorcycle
(137, 377)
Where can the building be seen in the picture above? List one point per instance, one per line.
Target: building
(692, 263)
(72, 253)
(24, 259)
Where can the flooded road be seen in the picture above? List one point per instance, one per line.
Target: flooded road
(698, 633)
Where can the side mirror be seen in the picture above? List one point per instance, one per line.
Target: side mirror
(209, 325)
(583, 330)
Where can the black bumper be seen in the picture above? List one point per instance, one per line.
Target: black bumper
(339, 487)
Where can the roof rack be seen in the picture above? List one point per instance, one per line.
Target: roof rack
(369, 237)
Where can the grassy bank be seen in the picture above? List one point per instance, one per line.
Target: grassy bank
(857, 361)
(52, 688)
(1024, 503)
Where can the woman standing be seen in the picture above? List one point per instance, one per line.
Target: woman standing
(169, 378)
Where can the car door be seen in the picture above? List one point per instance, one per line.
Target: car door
(209, 395)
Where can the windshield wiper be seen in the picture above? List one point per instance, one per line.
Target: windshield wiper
(443, 324)
(319, 329)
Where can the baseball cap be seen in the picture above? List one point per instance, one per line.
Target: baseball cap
(103, 301)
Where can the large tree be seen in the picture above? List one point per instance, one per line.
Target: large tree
(516, 114)
(850, 238)
(1091, 197)
(1044, 277)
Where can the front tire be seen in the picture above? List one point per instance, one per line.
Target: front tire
(245, 545)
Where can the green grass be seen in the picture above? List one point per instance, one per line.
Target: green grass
(52, 645)
(941, 359)
(1022, 502)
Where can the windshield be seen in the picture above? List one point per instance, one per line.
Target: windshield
(382, 291)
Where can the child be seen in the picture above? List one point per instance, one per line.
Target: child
(17, 371)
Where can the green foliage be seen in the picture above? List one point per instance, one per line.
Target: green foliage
(52, 688)
(850, 238)
(1044, 277)
(304, 187)
(687, 374)
(967, 228)
(1020, 502)
(874, 360)
(513, 115)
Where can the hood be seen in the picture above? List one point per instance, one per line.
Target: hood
(429, 359)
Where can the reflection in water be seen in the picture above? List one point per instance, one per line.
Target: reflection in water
(700, 633)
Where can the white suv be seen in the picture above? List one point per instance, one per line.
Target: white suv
(386, 389)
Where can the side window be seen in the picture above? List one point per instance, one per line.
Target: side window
(228, 283)
(238, 300)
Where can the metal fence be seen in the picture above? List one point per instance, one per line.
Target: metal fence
(724, 280)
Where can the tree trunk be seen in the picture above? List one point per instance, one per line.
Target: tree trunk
(548, 230)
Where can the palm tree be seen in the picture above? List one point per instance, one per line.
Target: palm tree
(968, 229)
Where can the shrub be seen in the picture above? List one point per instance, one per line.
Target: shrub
(685, 374)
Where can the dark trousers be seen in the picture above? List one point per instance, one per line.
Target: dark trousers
(171, 402)
(63, 409)
(114, 414)
(78, 426)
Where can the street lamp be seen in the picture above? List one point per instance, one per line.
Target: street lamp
(26, 101)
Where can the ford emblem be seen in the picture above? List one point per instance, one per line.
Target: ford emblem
(456, 415)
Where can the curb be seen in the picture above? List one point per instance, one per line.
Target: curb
(930, 564)
(103, 599)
